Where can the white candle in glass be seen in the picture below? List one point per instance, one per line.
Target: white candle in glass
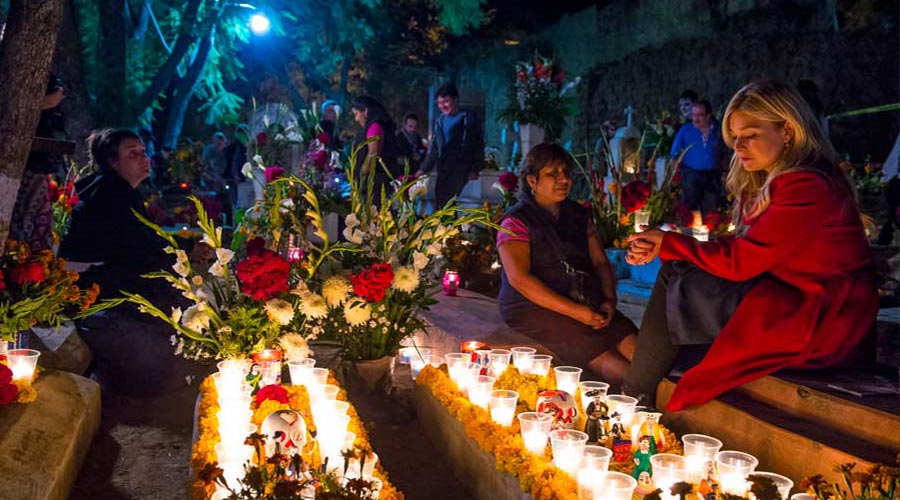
(330, 434)
(589, 481)
(480, 390)
(668, 469)
(700, 455)
(417, 363)
(540, 364)
(232, 371)
(498, 361)
(615, 486)
(535, 429)
(22, 363)
(567, 378)
(733, 468)
(624, 406)
(522, 358)
(588, 386)
(503, 406)
(783, 484)
(568, 449)
(300, 370)
(596, 458)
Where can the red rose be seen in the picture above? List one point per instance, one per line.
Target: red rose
(509, 182)
(274, 392)
(256, 246)
(8, 393)
(29, 272)
(5, 375)
(320, 159)
(263, 275)
(261, 139)
(635, 195)
(323, 138)
(274, 172)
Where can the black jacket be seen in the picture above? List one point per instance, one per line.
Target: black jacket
(463, 155)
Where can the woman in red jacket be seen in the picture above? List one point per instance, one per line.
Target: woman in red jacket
(794, 288)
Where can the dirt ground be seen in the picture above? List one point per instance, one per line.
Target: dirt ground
(143, 448)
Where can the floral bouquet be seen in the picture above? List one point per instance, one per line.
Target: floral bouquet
(539, 95)
(63, 199)
(508, 185)
(661, 132)
(37, 290)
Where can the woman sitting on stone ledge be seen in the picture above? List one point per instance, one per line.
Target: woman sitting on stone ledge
(557, 284)
(795, 288)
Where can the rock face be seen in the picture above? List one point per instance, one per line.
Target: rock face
(43, 444)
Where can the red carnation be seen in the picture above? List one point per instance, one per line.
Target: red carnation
(274, 172)
(263, 275)
(29, 272)
(320, 159)
(371, 284)
(383, 274)
(256, 246)
(261, 139)
(509, 182)
(323, 138)
(8, 393)
(274, 392)
(5, 375)
(635, 195)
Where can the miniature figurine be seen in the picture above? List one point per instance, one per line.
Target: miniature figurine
(597, 418)
(642, 457)
(560, 405)
(254, 377)
(645, 485)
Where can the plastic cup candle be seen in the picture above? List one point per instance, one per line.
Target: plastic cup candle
(451, 283)
(233, 371)
(596, 458)
(783, 484)
(22, 363)
(523, 358)
(588, 386)
(540, 364)
(589, 482)
(330, 434)
(232, 424)
(325, 392)
(668, 469)
(409, 354)
(623, 405)
(323, 411)
(615, 486)
(568, 449)
(417, 363)
(641, 218)
(734, 467)
(457, 366)
(535, 429)
(700, 455)
(480, 390)
(567, 378)
(503, 406)
(498, 360)
(300, 370)
(471, 347)
(700, 233)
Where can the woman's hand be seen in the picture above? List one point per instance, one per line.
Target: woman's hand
(644, 247)
(586, 315)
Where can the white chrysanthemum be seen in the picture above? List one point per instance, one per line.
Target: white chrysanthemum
(300, 289)
(357, 313)
(313, 306)
(335, 290)
(279, 311)
(195, 318)
(420, 260)
(406, 279)
(294, 346)
(224, 255)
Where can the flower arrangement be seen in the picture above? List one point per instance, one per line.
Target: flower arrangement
(879, 482)
(539, 95)
(661, 132)
(267, 476)
(36, 289)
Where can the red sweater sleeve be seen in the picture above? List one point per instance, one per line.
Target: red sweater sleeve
(800, 203)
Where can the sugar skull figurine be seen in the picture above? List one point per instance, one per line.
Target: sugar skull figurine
(560, 405)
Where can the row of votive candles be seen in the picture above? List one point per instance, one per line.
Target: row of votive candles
(234, 417)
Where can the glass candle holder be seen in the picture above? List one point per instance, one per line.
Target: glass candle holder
(700, 456)
(615, 486)
(325, 410)
(317, 376)
(451, 283)
(232, 371)
(300, 370)
(568, 449)
(503, 406)
(417, 363)
(733, 468)
(498, 361)
(641, 218)
(232, 424)
(480, 391)
(535, 429)
(700, 233)
(456, 359)
(471, 347)
(588, 482)
(596, 458)
(523, 358)
(567, 378)
(408, 354)
(668, 469)
(623, 405)
(326, 392)
(269, 362)
(540, 364)
(783, 484)
(588, 386)
(330, 433)
(22, 363)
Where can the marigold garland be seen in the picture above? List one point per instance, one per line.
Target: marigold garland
(536, 474)
(208, 434)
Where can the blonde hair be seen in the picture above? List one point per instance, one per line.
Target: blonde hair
(807, 149)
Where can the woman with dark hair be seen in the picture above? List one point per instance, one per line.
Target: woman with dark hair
(375, 122)
(794, 288)
(557, 284)
(103, 230)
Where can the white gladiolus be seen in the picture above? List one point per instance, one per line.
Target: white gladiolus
(195, 318)
(181, 268)
(176, 314)
(217, 269)
(420, 260)
(224, 255)
(351, 221)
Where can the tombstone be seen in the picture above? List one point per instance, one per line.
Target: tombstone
(625, 144)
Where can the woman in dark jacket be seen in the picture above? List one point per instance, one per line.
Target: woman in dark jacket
(557, 285)
(381, 153)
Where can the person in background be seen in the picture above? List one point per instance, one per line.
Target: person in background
(794, 288)
(457, 146)
(557, 284)
(686, 103)
(331, 111)
(379, 154)
(411, 146)
(701, 175)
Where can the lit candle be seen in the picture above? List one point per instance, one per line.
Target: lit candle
(22, 363)
(470, 346)
(498, 361)
(503, 406)
(668, 469)
(417, 363)
(734, 467)
(588, 386)
(523, 358)
(540, 365)
(451, 283)
(535, 427)
(568, 449)
(700, 454)
(615, 486)
(269, 361)
(330, 434)
(567, 379)
(479, 390)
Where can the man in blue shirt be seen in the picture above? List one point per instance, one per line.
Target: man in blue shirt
(456, 149)
(701, 177)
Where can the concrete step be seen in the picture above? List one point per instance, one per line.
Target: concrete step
(785, 443)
